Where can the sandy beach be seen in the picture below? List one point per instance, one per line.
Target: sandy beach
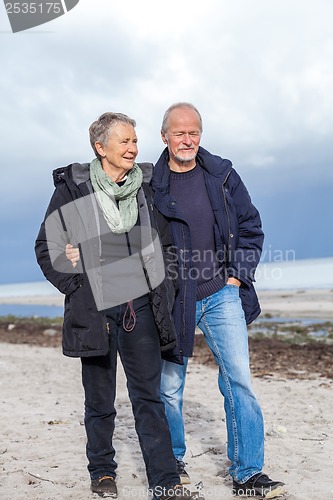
(43, 440)
(297, 303)
(42, 450)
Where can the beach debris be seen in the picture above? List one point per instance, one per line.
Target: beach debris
(276, 431)
(223, 473)
(50, 332)
(319, 440)
(214, 451)
(199, 486)
(11, 327)
(58, 422)
(37, 476)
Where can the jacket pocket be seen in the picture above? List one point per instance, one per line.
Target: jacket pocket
(77, 307)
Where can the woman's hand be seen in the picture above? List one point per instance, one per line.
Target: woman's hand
(72, 254)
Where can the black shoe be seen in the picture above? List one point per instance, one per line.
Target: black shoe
(259, 485)
(177, 492)
(184, 477)
(105, 486)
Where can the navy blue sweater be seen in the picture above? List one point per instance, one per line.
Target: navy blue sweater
(190, 192)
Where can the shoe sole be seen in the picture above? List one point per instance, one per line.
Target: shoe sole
(106, 495)
(279, 491)
(185, 479)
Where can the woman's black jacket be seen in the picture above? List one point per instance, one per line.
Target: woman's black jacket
(85, 327)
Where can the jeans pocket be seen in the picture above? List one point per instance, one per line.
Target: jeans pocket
(232, 293)
(232, 285)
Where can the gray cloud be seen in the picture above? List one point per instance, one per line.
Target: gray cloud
(260, 72)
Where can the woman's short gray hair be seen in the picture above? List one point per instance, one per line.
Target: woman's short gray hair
(100, 129)
(177, 105)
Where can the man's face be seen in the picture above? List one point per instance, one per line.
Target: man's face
(121, 150)
(183, 137)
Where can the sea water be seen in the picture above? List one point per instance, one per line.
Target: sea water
(31, 310)
(305, 274)
(292, 275)
(37, 288)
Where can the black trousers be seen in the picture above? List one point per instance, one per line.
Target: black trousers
(139, 352)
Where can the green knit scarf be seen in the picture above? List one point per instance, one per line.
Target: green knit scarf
(123, 217)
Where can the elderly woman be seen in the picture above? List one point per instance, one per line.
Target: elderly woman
(99, 246)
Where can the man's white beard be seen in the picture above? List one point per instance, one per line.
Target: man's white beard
(185, 160)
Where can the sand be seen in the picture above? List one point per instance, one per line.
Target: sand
(297, 303)
(42, 450)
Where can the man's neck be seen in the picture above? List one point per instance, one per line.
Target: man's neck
(184, 166)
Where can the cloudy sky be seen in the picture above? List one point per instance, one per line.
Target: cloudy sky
(260, 72)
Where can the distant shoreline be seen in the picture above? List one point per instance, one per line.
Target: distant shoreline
(283, 303)
(41, 300)
(297, 303)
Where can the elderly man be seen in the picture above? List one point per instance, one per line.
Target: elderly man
(217, 240)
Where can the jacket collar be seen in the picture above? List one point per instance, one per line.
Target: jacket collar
(214, 165)
(79, 173)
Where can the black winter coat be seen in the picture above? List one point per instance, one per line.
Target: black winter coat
(85, 327)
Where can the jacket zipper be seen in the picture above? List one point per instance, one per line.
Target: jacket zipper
(227, 211)
(185, 281)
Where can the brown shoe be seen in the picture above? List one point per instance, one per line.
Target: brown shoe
(177, 492)
(105, 487)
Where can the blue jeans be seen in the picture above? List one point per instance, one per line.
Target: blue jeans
(221, 319)
(139, 351)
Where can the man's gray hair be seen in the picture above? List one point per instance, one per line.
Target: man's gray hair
(100, 129)
(165, 122)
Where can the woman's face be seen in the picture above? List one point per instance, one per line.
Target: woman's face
(120, 152)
